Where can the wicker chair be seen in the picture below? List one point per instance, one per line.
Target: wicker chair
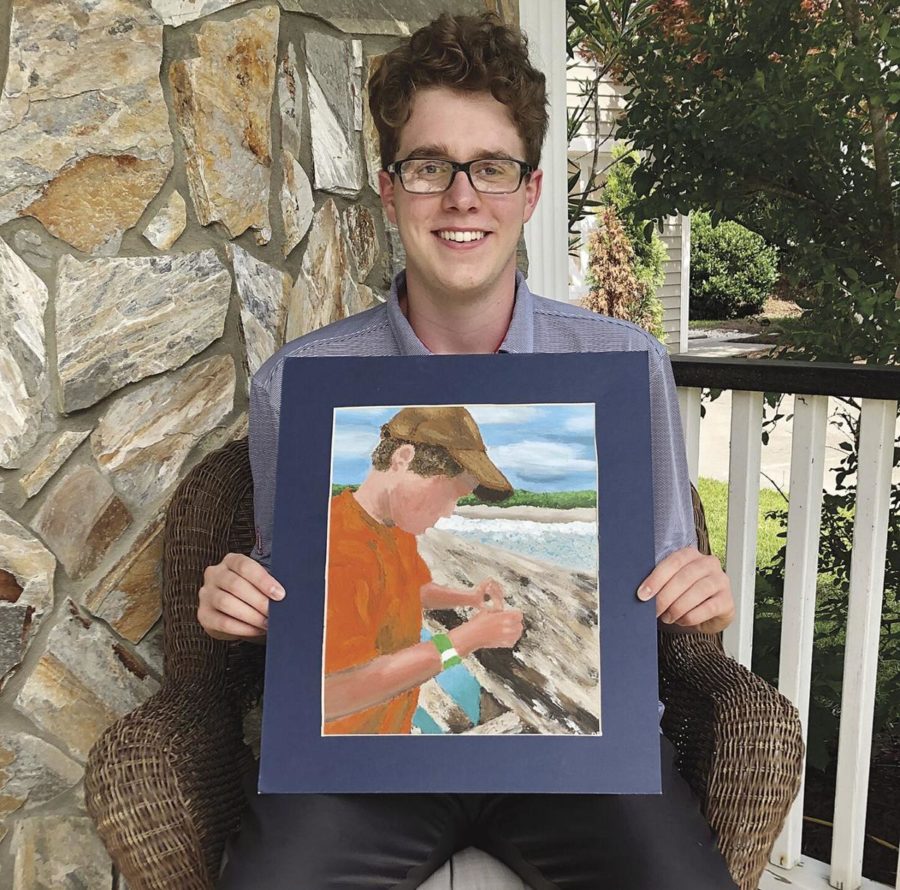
(163, 784)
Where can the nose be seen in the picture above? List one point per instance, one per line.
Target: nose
(461, 194)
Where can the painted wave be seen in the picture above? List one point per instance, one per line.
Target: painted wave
(570, 544)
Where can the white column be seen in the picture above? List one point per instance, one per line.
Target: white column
(544, 21)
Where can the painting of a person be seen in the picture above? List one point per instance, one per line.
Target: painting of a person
(378, 584)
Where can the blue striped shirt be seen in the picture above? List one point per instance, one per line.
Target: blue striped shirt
(537, 325)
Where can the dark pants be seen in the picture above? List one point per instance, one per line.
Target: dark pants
(571, 842)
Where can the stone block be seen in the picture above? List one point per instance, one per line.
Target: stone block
(32, 772)
(48, 459)
(121, 319)
(85, 146)
(222, 100)
(179, 12)
(362, 238)
(324, 282)
(24, 384)
(143, 440)
(376, 16)
(26, 591)
(166, 227)
(264, 292)
(59, 853)
(129, 597)
(333, 114)
(80, 520)
(84, 681)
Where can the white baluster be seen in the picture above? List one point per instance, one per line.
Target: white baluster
(689, 405)
(873, 496)
(743, 519)
(798, 615)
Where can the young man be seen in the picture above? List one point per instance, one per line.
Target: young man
(461, 117)
(427, 459)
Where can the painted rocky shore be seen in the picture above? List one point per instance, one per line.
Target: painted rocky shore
(184, 185)
(549, 683)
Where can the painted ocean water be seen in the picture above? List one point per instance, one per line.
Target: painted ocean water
(569, 544)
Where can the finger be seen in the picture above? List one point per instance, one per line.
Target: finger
(666, 570)
(231, 629)
(238, 587)
(689, 574)
(705, 588)
(252, 571)
(513, 617)
(710, 616)
(232, 607)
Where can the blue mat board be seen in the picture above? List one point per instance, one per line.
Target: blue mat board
(296, 757)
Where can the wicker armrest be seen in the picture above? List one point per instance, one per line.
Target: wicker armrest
(163, 785)
(739, 744)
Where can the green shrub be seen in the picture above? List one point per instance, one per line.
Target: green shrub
(733, 270)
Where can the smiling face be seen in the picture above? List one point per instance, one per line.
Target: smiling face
(460, 244)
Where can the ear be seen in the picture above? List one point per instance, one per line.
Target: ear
(386, 190)
(532, 193)
(402, 457)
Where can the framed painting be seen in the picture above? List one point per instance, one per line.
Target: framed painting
(461, 539)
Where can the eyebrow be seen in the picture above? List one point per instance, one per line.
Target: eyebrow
(434, 150)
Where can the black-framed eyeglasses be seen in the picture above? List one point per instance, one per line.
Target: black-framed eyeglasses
(491, 176)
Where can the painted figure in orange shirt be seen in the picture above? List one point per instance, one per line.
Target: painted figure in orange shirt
(378, 585)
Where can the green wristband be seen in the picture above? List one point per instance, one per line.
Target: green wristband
(449, 655)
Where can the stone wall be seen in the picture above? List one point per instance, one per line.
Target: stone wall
(184, 185)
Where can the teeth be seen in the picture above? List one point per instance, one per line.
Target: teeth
(462, 236)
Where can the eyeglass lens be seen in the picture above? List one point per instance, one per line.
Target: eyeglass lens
(490, 175)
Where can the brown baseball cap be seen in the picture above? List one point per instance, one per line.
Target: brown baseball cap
(453, 428)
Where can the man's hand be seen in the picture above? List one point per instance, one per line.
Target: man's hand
(691, 590)
(234, 599)
(489, 596)
(488, 629)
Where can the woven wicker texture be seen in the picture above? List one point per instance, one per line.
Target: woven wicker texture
(738, 739)
(163, 783)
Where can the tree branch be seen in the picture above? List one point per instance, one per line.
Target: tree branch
(880, 153)
(591, 183)
(841, 223)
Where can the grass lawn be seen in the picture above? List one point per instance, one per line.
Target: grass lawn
(715, 502)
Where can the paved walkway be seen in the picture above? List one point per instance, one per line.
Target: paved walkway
(715, 428)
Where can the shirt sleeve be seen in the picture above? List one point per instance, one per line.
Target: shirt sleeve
(673, 514)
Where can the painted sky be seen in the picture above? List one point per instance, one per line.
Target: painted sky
(538, 447)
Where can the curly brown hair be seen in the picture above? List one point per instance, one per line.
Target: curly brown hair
(465, 53)
(428, 460)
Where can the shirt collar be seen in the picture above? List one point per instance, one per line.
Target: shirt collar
(519, 336)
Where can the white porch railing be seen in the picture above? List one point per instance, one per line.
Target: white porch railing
(812, 385)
